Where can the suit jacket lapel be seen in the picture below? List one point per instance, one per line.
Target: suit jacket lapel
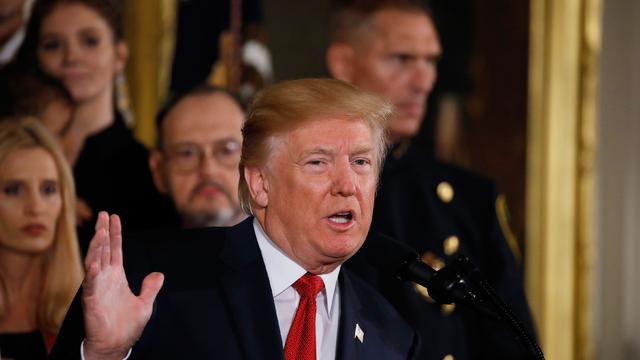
(350, 315)
(248, 293)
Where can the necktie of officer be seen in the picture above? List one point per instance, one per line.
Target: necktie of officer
(301, 340)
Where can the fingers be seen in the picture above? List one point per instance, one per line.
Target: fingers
(94, 259)
(150, 287)
(115, 236)
(88, 284)
(106, 246)
(93, 251)
(100, 239)
(105, 251)
(103, 221)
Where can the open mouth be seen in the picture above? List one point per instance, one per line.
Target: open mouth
(342, 217)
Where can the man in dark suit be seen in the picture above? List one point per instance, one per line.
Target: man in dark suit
(391, 48)
(271, 287)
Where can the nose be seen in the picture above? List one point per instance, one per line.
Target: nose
(424, 77)
(34, 203)
(344, 181)
(71, 52)
(208, 165)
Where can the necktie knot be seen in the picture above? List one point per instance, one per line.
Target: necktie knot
(309, 285)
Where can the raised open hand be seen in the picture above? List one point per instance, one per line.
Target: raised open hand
(114, 316)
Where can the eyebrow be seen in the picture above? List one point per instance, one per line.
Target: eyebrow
(87, 30)
(363, 149)
(221, 140)
(318, 151)
(324, 151)
(23, 180)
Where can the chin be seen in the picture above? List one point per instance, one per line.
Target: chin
(342, 248)
(34, 247)
(82, 93)
(408, 129)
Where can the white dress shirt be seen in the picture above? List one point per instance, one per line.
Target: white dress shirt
(283, 272)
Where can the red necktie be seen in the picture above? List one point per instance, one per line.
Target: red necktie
(301, 341)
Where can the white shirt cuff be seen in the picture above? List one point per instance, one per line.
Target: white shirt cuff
(82, 351)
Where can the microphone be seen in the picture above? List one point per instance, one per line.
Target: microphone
(445, 286)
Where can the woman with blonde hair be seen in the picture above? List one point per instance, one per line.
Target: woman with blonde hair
(40, 267)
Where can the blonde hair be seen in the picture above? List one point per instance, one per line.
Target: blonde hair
(62, 269)
(288, 105)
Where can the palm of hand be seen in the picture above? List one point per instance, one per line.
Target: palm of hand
(114, 316)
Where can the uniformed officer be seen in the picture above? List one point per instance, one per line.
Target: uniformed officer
(391, 48)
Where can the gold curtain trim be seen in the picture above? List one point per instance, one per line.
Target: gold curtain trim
(564, 50)
(150, 33)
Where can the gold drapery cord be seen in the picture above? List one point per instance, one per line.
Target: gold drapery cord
(564, 48)
(150, 32)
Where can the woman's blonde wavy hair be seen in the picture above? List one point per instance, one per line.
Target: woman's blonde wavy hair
(62, 270)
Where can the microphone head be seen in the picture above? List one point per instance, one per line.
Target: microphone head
(388, 254)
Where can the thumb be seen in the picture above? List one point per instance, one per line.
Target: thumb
(150, 287)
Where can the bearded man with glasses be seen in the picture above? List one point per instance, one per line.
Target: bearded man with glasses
(196, 162)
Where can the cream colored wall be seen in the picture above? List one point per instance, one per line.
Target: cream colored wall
(617, 295)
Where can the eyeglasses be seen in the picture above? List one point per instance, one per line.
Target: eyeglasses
(188, 157)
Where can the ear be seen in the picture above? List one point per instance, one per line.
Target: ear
(258, 183)
(122, 54)
(156, 162)
(339, 58)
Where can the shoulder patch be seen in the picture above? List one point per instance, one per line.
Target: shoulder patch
(502, 212)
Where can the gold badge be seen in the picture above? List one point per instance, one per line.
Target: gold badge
(445, 192)
(451, 245)
(423, 292)
(447, 309)
(432, 260)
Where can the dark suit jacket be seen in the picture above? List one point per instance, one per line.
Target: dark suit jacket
(216, 303)
(409, 209)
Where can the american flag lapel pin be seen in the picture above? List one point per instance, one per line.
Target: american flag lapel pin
(359, 333)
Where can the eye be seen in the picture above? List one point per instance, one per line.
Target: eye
(316, 165)
(49, 188)
(51, 45)
(90, 41)
(229, 148)
(186, 152)
(12, 188)
(315, 162)
(401, 58)
(362, 162)
(431, 61)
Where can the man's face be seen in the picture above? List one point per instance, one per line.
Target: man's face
(198, 166)
(316, 196)
(397, 60)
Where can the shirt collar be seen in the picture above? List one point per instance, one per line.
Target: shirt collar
(283, 271)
